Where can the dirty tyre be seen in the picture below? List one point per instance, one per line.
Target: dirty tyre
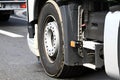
(51, 44)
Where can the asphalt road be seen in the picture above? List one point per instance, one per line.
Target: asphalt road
(18, 63)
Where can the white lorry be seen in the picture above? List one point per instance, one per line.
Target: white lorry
(7, 7)
(70, 35)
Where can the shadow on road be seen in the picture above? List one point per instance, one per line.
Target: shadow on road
(12, 23)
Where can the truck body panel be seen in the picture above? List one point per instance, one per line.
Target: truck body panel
(31, 4)
(111, 44)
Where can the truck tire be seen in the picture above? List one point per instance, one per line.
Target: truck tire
(51, 44)
(4, 17)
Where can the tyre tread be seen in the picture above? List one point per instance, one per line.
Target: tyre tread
(72, 71)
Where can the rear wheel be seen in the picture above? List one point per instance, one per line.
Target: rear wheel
(51, 44)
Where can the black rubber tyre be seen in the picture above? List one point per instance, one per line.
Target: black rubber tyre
(56, 66)
(4, 17)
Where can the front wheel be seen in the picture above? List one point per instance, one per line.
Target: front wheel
(51, 44)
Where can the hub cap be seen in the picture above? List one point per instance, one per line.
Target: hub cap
(51, 40)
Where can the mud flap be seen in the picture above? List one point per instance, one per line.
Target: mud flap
(111, 44)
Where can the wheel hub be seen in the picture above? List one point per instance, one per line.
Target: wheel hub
(51, 39)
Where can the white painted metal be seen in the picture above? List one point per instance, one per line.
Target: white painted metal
(89, 44)
(111, 44)
(89, 65)
(31, 4)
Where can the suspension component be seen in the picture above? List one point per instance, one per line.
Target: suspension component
(80, 32)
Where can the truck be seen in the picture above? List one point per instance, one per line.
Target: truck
(7, 8)
(72, 36)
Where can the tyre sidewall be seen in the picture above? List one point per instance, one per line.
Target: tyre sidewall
(54, 68)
